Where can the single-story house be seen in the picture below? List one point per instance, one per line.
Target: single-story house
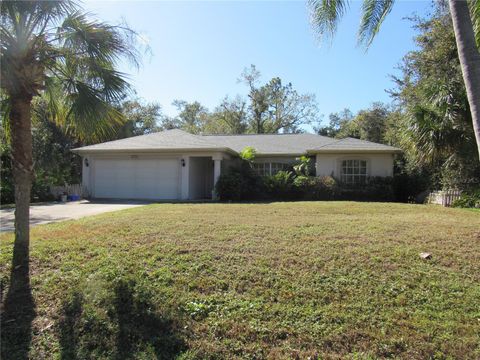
(176, 165)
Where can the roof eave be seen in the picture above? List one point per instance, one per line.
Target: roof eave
(85, 151)
(356, 151)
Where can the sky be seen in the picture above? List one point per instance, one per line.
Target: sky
(197, 50)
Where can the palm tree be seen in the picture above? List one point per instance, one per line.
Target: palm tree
(50, 49)
(466, 23)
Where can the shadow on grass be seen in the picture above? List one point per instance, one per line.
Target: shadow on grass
(18, 308)
(126, 327)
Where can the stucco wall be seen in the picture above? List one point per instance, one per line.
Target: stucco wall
(377, 164)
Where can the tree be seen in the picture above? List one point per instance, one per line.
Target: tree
(371, 124)
(191, 117)
(327, 13)
(338, 122)
(275, 107)
(51, 49)
(433, 124)
(140, 118)
(230, 117)
(258, 98)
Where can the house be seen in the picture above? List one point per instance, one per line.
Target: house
(174, 164)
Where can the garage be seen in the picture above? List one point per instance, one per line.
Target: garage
(134, 178)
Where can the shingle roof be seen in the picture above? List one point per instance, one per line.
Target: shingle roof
(271, 143)
(352, 144)
(264, 144)
(164, 140)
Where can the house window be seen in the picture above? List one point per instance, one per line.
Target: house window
(354, 172)
(267, 169)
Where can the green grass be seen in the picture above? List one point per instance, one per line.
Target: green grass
(281, 280)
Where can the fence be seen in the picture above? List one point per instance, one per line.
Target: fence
(444, 198)
(72, 189)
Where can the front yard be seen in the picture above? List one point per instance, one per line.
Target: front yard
(280, 280)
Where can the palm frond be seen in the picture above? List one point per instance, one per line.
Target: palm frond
(475, 15)
(326, 14)
(374, 13)
(90, 117)
(105, 43)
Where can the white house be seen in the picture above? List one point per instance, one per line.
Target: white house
(174, 164)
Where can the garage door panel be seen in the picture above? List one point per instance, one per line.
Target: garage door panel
(136, 178)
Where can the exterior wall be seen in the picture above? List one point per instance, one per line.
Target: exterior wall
(86, 174)
(377, 164)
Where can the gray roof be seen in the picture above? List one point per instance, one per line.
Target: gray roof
(169, 140)
(264, 144)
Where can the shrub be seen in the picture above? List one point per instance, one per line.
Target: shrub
(316, 188)
(408, 186)
(376, 189)
(280, 185)
(469, 199)
(239, 183)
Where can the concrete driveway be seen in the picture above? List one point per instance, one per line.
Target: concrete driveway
(54, 212)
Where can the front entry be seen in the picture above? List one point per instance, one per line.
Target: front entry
(201, 178)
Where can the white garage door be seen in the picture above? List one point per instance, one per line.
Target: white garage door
(136, 178)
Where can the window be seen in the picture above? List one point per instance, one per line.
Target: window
(266, 169)
(354, 172)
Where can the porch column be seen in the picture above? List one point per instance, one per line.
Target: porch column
(217, 166)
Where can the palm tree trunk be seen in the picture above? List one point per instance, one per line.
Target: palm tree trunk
(20, 126)
(469, 56)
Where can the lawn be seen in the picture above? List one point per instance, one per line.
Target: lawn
(281, 280)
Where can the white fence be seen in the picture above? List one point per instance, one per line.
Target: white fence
(444, 198)
(73, 189)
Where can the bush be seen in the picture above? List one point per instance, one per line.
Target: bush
(316, 188)
(469, 199)
(280, 185)
(408, 186)
(239, 183)
(243, 183)
(376, 189)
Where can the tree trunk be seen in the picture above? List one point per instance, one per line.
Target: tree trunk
(469, 56)
(22, 164)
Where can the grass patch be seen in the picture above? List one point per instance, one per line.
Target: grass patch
(280, 280)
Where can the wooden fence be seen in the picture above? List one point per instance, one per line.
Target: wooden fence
(444, 198)
(72, 189)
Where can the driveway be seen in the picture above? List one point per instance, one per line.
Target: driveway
(54, 212)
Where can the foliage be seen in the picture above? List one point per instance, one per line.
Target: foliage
(54, 163)
(191, 117)
(469, 199)
(239, 183)
(230, 117)
(280, 186)
(248, 154)
(316, 188)
(338, 122)
(276, 107)
(70, 60)
(375, 189)
(140, 118)
(283, 280)
(304, 167)
(434, 127)
(369, 124)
